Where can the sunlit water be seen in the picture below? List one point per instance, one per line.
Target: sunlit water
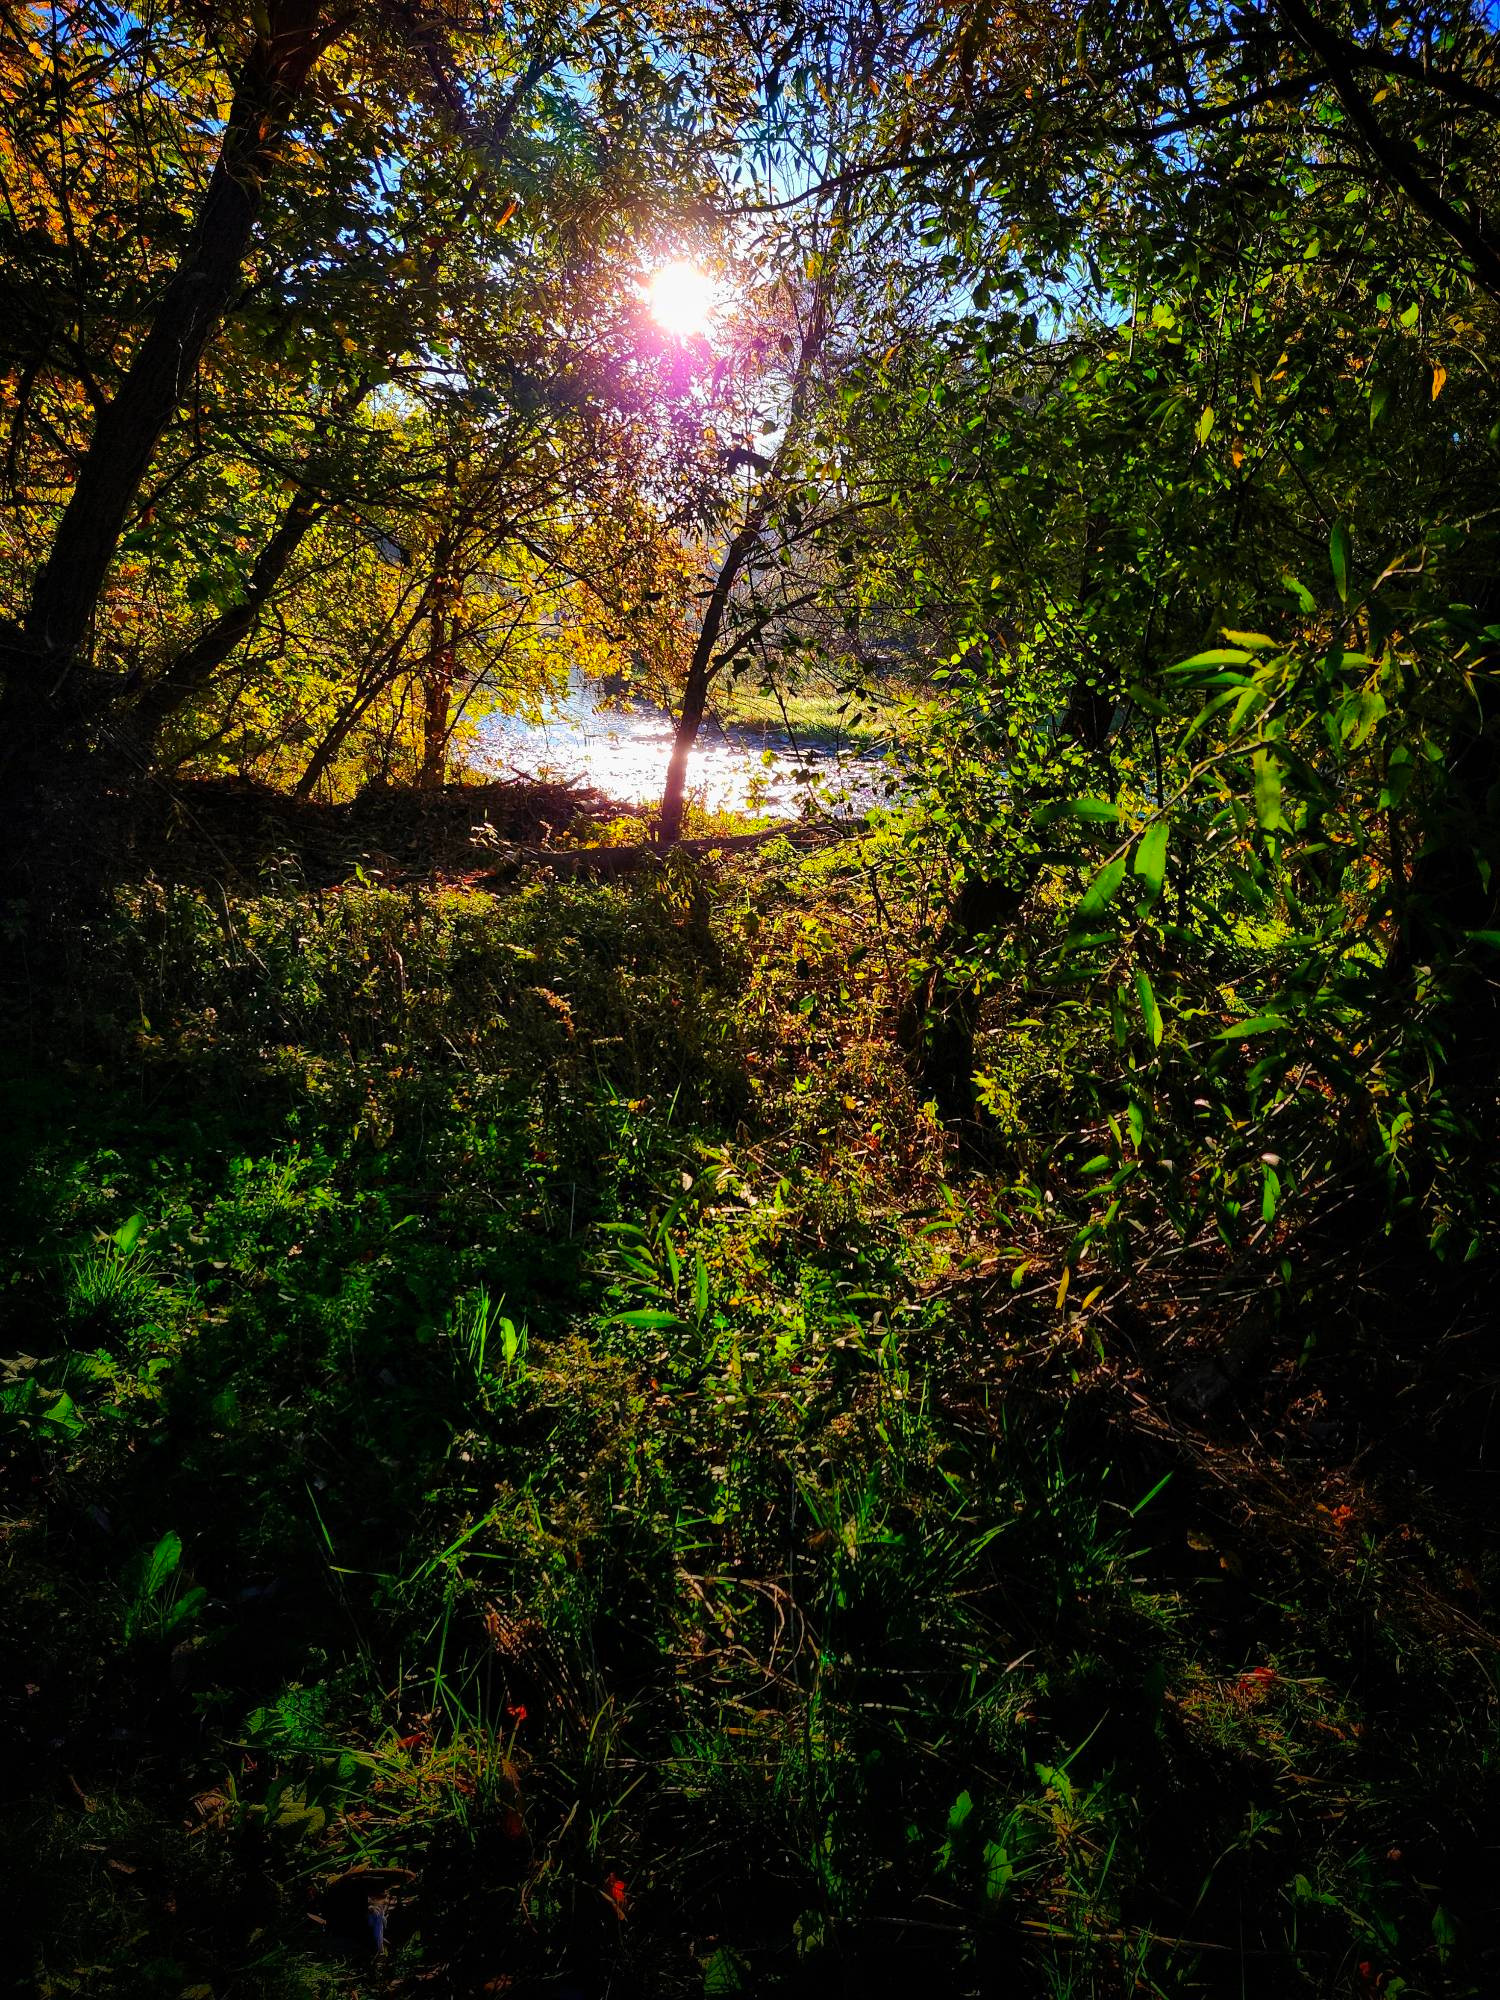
(623, 753)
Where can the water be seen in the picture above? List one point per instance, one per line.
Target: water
(623, 753)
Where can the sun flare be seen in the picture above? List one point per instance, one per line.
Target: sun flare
(682, 299)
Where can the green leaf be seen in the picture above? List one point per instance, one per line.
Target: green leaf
(1101, 811)
(1151, 858)
(998, 1870)
(1143, 698)
(1258, 1024)
(1205, 424)
(128, 1234)
(62, 1414)
(187, 1606)
(1250, 697)
(1146, 1498)
(1094, 811)
(162, 1563)
(647, 1320)
(1444, 1934)
(1056, 1779)
(1211, 708)
(1338, 556)
(1102, 889)
(1270, 1193)
(700, 1288)
(725, 1971)
(1215, 656)
(1360, 716)
(1150, 1012)
(1267, 780)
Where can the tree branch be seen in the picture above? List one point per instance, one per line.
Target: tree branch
(1398, 163)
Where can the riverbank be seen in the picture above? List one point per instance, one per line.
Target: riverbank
(249, 835)
(825, 724)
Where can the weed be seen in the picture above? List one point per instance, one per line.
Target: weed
(644, 1517)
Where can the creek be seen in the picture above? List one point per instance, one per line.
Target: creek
(623, 751)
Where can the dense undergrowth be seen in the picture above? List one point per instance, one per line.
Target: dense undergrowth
(532, 1467)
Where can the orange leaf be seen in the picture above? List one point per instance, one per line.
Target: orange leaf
(1439, 377)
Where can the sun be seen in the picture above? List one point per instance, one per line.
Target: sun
(682, 299)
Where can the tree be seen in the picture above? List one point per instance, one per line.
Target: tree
(816, 287)
(1223, 649)
(47, 708)
(349, 218)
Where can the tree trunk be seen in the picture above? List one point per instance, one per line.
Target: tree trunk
(689, 722)
(369, 685)
(701, 667)
(939, 1016)
(941, 1013)
(699, 678)
(333, 741)
(437, 696)
(192, 669)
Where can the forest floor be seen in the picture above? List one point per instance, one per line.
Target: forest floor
(533, 1465)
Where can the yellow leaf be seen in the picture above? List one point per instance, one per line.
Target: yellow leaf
(1439, 377)
(1062, 1290)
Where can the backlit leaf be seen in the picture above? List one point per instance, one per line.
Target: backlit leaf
(1102, 889)
(1338, 556)
(1151, 857)
(1145, 993)
(1267, 780)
